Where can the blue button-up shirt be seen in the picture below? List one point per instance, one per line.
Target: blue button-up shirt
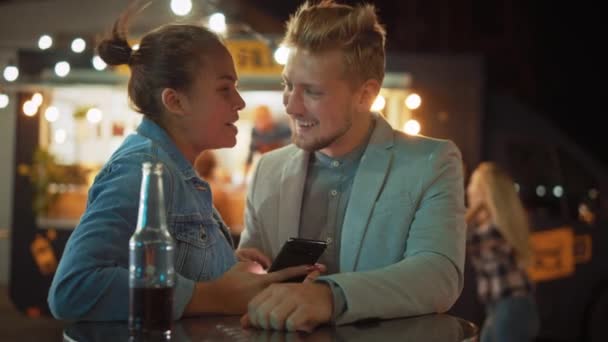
(92, 280)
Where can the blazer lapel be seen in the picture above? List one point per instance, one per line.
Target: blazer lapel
(291, 187)
(368, 183)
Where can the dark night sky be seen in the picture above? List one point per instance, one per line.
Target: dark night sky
(568, 73)
(549, 64)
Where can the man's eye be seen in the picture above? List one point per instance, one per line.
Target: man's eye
(286, 85)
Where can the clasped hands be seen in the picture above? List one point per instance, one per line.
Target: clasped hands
(288, 306)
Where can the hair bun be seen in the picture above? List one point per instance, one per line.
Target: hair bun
(115, 51)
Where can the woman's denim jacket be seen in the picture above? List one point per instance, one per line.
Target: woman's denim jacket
(92, 280)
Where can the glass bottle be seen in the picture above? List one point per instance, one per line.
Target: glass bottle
(151, 255)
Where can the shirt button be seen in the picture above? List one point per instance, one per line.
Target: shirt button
(335, 163)
(333, 193)
(329, 240)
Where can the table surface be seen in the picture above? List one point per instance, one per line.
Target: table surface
(439, 327)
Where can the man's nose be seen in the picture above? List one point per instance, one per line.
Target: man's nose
(293, 103)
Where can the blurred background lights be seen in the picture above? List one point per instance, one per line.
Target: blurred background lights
(413, 101)
(4, 100)
(30, 108)
(181, 7)
(281, 54)
(94, 115)
(45, 41)
(379, 103)
(517, 188)
(558, 191)
(78, 45)
(217, 23)
(11, 73)
(98, 63)
(593, 193)
(411, 127)
(51, 114)
(135, 47)
(541, 191)
(60, 136)
(37, 99)
(62, 69)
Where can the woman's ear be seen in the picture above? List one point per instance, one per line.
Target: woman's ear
(174, 102)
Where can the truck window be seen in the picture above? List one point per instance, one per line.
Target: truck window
(535, 169)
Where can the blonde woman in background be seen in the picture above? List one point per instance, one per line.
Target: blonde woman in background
(499, 250)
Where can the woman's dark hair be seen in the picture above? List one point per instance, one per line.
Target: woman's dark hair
(168, 57)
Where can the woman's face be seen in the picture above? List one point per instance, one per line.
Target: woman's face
(212, 104)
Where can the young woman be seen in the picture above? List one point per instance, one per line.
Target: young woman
(183, 81)
(499, 249)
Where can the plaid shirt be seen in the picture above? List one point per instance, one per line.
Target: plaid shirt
(498, 273)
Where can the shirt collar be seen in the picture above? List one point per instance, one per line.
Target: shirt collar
(159, 136)
(350, 157)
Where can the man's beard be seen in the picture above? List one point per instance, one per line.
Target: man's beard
(319, 143)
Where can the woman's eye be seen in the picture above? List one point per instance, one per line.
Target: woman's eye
(314, 92)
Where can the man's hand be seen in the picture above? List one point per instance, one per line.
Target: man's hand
(292, 307)
(252, 254)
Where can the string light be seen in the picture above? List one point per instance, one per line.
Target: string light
(62, 69)
(45, 41)
(51, 114)
(4, 100)
(181, 7)
(411, 127)
(98, 63)
(37, 98)
(413, 101)
(78, 45)
(281, 54)
(11, 73)
(94, 115)
(217, 23)
(30, 108)
(379, 103)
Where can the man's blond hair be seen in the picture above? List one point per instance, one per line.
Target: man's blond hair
(354, 30)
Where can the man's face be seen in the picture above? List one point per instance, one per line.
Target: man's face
(320, 101)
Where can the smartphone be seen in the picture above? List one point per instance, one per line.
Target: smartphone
(296, 252)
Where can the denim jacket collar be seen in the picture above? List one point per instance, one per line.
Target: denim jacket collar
(158, 135)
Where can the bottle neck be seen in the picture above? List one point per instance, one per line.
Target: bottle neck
(152, 203)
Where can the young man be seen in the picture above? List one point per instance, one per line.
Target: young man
(391, 206)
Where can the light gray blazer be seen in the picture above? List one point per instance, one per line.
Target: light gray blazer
(403, 239)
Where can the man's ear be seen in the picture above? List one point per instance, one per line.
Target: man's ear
(369, 91)
(174, 101)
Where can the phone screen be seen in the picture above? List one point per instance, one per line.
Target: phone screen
(296, 252)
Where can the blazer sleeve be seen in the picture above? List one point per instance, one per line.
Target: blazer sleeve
(429, 278)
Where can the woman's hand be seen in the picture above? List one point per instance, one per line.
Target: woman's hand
(232, 291)
(253, 254)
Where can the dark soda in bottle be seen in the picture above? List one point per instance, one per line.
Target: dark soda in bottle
(151, 255)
